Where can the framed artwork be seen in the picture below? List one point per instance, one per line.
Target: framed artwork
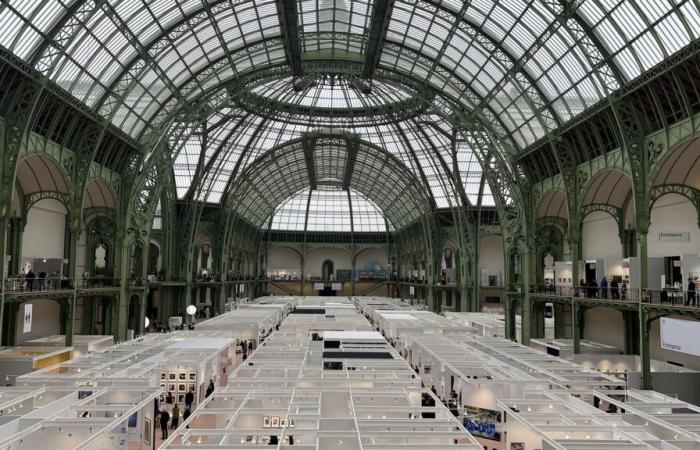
(193, 376)
(517, 446)
(291, 423)
(172, 387)
(162, 386)
(147, 433)
(172, 376)
(192, 387)
(162, 375)
(283, 421)
(266, 422)
(275, 422)
(162, 398)
(182, 376)
(181, 398)
(181, 387)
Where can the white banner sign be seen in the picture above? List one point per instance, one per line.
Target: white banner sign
(680, 335)
(337, 286)
(27, 318)
(674, 236)
(411, 290)
(319, 286)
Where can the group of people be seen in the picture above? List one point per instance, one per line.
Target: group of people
(669, 293)
(171, 419)
(39, 282)
(614, 290)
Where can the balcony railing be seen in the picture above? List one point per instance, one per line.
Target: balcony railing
(49, 284)
(669, 296)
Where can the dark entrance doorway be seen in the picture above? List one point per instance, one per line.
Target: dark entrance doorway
(327, 270)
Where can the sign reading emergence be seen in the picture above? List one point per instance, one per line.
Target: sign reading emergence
(680, 335)
(674, 236)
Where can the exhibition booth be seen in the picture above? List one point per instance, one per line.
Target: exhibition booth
(564, 348)
(670, 379)
(325, 379)
(622, 419)
(494, 325)
(85, 417)
(17, 361)
(82, 343)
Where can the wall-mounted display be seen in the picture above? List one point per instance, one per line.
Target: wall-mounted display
(182, 376)
(193, 376)
(275, 422)
(147, 433)
(181, 398)
(172, 387)
(172, 376)
(266, 422)
(162, 375)
(181, 387)
(192, 387)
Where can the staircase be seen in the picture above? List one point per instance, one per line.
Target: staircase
(286, 289)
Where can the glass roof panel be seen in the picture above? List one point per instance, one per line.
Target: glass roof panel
(337, 27)
(329, 210)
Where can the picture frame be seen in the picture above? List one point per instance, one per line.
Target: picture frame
(182, 376)
(172, 387)
(172, 376)
(192, 387)
(275, 422)
(283, 422)
(147, 431)
(517, 446)
(162, 375)
(266, 422)
(181, 398)
(162, 398)
(291, 423)
(181, 387)
(193, 376)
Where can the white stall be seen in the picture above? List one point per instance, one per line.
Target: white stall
(82, 343)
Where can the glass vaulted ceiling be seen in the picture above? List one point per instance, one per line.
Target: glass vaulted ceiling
(330, 209)
(527, 66)
(133, 60)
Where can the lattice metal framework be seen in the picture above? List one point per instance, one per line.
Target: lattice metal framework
(216, 74)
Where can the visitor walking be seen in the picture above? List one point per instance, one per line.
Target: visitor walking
(176, 417)
(189, 399)
(186, 415)
(164, 418)
(210, 388)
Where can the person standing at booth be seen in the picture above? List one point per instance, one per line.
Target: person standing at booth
(691, 293)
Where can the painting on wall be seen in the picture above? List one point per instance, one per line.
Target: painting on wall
(517, 446)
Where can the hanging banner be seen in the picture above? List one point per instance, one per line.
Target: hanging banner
(27, 318)
(674, 236)
(337, 286)
(680, 335)
(411, 290)
(319, 286)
